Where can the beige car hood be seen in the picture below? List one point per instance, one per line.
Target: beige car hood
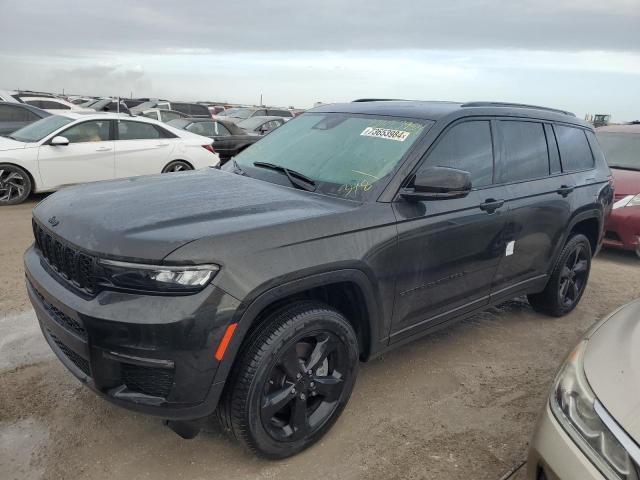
(612, 366)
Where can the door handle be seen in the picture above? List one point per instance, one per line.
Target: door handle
(103, 149)
(565, 190)
(161, 144)
(490, 205)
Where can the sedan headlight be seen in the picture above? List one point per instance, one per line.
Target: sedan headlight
(158, 278)
(576, 408)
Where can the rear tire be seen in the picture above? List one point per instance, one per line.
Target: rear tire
(291, 380)
(15, 184)
(177, 166)
(568, 279)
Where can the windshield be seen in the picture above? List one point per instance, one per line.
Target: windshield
(622, 150)
(36, 131)
(241, 113)
(251, 123)
(347, 155)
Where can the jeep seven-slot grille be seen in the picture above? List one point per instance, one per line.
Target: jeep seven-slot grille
(77, 360)
(62, 319)
(148, 380)
(74, 266)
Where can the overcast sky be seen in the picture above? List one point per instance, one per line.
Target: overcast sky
(581, 55)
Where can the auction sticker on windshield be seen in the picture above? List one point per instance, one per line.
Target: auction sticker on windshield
(386, 133)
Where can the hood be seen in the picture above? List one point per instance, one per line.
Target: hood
(612, 366)
(146, 218)
(9, 144)
(626, 182)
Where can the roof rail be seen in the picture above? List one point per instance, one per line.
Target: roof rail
(362, 100)
(516, 105)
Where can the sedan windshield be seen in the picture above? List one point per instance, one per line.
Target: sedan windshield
(622, 150)
(346, 155)
(36, 131)
(242, 113)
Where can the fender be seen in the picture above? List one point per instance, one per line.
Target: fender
(247, 313)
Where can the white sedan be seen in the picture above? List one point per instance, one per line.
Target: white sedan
(63, 150)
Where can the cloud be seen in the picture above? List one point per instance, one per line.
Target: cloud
(82, 28)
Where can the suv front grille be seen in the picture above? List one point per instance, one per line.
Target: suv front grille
(152, 381)
(77, 360)
(61, 318)
(74, 266)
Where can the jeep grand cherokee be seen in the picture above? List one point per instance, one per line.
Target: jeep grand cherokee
(255, 290)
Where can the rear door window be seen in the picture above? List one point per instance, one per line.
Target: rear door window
(202, 128)
(575, 153)
(128, 130)
(524, 154)
(466, 146)
(9, 113)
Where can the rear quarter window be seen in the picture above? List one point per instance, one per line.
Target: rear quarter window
(575, 153)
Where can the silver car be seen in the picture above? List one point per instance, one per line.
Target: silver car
(590, 428)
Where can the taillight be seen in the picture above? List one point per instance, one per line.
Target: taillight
(209, 147)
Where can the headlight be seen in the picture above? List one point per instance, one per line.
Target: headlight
(628, 201)
(158, 278)
(575, 406)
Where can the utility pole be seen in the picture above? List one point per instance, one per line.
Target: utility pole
(261, 104)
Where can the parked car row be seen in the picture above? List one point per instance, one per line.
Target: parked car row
(61, 150)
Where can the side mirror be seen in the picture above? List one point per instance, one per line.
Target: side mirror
(438, 183)
(59, 141)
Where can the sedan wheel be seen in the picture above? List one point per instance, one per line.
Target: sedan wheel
(177, 166)
(15, 185)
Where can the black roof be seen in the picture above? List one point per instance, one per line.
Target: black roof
(435, 110)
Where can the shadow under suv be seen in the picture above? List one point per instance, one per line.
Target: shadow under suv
(255, 290)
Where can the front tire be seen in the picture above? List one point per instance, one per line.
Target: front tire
(15, 184)
(177, 166)
(292, 380)
(568, 279)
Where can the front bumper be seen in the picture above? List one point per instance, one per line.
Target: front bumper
(149, 353)
(623, 229)
(555, 455)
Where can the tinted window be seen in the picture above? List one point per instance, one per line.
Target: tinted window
(138, 131)
(181, 107)
(10, 113)
(153, 115)
(260, 113)
(575, 153)
(221, 130)
(95, 131)
(200, 110)
(524, 151)
(466, 146)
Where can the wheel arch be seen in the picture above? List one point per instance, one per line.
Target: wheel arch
(349, 291)
(591, 225)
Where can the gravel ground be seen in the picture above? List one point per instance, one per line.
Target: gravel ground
(458, 404)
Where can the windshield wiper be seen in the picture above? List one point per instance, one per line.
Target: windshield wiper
(294, 177)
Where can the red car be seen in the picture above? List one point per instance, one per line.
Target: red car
(621, 146)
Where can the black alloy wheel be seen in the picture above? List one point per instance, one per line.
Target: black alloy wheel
(291, 380)
(568, 280)
(304, 386)
(15, 185)
(573, 276)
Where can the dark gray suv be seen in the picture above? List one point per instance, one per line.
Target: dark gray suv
(354, 228)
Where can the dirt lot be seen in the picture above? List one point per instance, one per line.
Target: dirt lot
(458, 404)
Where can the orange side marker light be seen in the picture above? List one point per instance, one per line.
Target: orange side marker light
(224, 343)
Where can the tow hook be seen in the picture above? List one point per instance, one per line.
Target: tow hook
(187, 429)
